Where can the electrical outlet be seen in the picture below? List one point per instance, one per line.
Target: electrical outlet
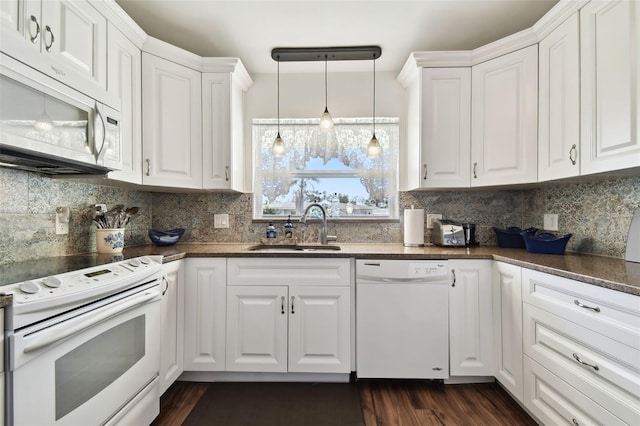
(550, 222)
(221, 220)
(62, 220)
(430, 218)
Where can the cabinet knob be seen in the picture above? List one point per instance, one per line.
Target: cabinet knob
(34, 38)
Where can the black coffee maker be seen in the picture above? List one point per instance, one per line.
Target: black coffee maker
(470, 235)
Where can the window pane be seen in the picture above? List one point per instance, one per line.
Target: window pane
(327, 168)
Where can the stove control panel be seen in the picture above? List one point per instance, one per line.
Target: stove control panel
(89, 280)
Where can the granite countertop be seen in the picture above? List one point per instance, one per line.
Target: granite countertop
(602, 271)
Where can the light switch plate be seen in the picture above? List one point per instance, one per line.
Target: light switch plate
(550, 222)
(221, 220)
(430, 218)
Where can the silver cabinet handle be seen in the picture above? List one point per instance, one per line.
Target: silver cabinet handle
(292, 309)
(575, 422)
(148, 166)
(577, 358)
(226, 173)
(166, 282)
(282, 305)
(425, 171)
(453, 284)
(577, 302)
(48, 46)
(475, 169)
(34, 39)
(573, 154)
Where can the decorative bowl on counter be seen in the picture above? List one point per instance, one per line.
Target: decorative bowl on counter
(512, 236)
(546, 243)
(165, 238)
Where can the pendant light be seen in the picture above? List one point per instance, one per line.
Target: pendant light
(277, 149)
(326, 122)
(374, 150)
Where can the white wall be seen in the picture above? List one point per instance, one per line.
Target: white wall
(302, 96)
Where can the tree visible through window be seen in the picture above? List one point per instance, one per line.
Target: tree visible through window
(331, 168)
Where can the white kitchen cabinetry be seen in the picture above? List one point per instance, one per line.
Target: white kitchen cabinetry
(588, 340)
(205, 314)
(222, 128)
(504, 119)
(559, 97)
(439, 128)
(65, 39)
(172, 323)
(172, 124)
(507, 327)
(289, 315)
(610, 85)
(124, 81)
(470, 318)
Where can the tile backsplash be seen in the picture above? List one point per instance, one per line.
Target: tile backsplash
(597, 213)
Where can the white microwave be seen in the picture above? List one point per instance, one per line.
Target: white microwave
(49, 127)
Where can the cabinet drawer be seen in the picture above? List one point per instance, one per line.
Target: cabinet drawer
(603, 369)
(553, 401)
(289, 271)
(609, 312)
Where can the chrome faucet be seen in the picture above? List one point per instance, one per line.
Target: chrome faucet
(324, 238)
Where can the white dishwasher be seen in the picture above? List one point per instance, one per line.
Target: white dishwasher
(402, 319)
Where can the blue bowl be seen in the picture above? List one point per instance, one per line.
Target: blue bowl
(512, 236)
(546, 243)
(165, 238)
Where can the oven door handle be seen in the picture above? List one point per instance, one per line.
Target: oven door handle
(93, 319)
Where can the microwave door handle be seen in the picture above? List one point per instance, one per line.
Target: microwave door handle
(53, 336)
(99, 116)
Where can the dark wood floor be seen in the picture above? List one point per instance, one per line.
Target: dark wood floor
(391, 403)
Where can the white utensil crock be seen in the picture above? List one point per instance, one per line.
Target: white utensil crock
(110, 240)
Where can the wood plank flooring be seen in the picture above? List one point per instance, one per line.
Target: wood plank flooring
(391, 403)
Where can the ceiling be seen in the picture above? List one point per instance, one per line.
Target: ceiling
(250, 29)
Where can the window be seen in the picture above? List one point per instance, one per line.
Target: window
(331, 169)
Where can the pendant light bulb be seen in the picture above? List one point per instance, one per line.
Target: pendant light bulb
(277, 149)
(326, 122)
(374, 149)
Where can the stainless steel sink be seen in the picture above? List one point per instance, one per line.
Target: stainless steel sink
(294, 247)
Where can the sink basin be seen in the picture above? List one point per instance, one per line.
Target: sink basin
(294, 247)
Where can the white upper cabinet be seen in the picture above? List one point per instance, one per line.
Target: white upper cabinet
(559, 102)
(504, 119)
(62, 38)
(444, 124)
(124, 80)
(610, 85)
(222, 128)
(172, 124)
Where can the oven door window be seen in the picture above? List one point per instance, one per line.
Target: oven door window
(88, 369)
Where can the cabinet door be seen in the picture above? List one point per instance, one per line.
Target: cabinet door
(124, 81)
(216, 131)
(257, 328)
(319, 329)
(171, 124)
(610, 85)
(76, 34)
(559, 96)
(504, 117)
(205, 314)
(470, 319)
(507, 327)
(446, 127)
(172, 324)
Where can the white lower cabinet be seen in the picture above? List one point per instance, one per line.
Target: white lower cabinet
(470, 319)
(171, 323)
(301, 325)
(507, 327)
(205, 314)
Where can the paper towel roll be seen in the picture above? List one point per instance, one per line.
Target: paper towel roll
(414, 227)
